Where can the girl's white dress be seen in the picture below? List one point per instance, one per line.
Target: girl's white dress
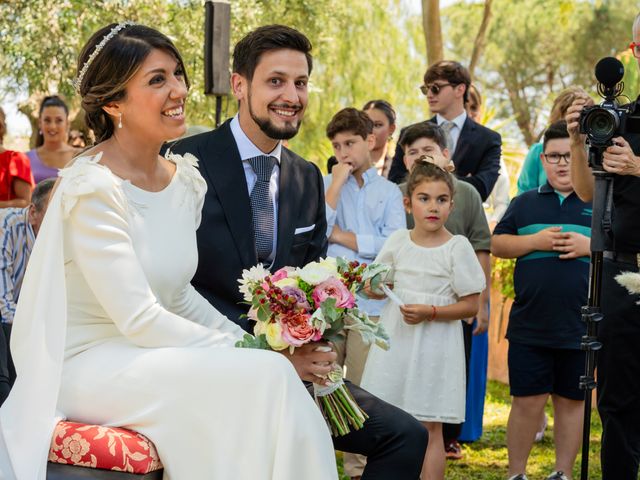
(109, 331)
(423, 372)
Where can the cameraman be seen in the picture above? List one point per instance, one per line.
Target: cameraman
(619, 360)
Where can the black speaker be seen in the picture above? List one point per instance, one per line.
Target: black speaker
(217, 24)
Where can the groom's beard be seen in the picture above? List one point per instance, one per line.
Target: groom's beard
(289, 130)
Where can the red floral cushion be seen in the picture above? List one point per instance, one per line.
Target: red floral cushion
(107, 448)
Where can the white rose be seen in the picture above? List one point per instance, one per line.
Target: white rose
(314, 273)
(286, 282)
(330, 262)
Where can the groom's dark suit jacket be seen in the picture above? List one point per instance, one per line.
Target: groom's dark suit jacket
(477, 154)
(226, 244)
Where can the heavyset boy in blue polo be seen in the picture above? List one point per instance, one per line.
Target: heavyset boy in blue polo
(549, 291)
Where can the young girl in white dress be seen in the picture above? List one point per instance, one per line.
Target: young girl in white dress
(438, 278)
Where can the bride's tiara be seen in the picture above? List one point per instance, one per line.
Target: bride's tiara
(114, 31)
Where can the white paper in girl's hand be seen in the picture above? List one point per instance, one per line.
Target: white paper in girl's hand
(391, 295)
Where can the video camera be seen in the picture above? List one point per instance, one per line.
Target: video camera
(603, 122)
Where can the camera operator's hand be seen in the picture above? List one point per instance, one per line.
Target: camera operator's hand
(619, 158)
(572, 245)
(573, 117)
(544, 240)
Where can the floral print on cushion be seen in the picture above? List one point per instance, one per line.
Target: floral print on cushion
(108, 448)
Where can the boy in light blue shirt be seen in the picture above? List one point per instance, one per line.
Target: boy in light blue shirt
(362, 207)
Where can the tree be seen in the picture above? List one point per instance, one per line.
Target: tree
(361, 51)
(479, 44)
(432, 30)
(536, 48)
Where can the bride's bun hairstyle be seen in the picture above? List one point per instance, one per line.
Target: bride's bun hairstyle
(106, 64)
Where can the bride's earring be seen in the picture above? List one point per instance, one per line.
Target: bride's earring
(120, 120)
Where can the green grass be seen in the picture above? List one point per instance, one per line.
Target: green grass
(486, 459)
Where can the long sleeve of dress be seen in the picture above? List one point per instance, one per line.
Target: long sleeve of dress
(101, 246)
(191, 305)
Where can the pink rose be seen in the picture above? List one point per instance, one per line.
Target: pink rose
(279, 275)
(297, 328)
(333, 288)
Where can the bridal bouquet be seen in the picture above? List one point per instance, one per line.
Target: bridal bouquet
(295, 306)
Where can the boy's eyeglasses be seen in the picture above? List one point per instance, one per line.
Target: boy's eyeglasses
(554, 158)
(635, 49)
(434, 88)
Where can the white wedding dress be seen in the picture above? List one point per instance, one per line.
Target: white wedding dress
(109, 331)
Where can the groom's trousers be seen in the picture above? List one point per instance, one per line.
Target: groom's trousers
(392, 440)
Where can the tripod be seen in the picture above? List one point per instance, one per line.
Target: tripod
(591, 314)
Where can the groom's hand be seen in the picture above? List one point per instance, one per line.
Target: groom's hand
(312, 365)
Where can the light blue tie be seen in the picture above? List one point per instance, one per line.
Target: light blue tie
(261, 206)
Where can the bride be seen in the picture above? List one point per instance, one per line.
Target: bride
(109, 330)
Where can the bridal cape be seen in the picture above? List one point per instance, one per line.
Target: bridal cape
(109, 331)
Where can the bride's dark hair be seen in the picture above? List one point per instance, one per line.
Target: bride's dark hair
(112, 68)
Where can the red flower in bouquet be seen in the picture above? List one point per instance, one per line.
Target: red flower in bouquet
(297, 328)
(334, 288)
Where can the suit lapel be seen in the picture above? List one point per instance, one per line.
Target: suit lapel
(465, 141)
(223, 171)
(289, 204)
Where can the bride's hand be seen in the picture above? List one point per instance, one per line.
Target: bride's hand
(312, 365)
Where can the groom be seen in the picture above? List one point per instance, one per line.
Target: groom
(266, 204)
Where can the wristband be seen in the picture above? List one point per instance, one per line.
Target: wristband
(433, 313)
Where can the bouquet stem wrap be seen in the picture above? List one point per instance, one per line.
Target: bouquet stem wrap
(339, 408)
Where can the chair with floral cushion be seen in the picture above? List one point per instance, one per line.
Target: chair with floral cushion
(80, 451)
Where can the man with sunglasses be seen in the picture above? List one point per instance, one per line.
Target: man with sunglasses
(618, 361)
(475, 149)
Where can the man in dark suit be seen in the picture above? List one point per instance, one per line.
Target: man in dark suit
(476, 149)
(266, 204)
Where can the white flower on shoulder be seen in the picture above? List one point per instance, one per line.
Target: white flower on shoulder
(630, 281)
(250, 279)
(189, 173)
(77, 179)
(187, 158)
